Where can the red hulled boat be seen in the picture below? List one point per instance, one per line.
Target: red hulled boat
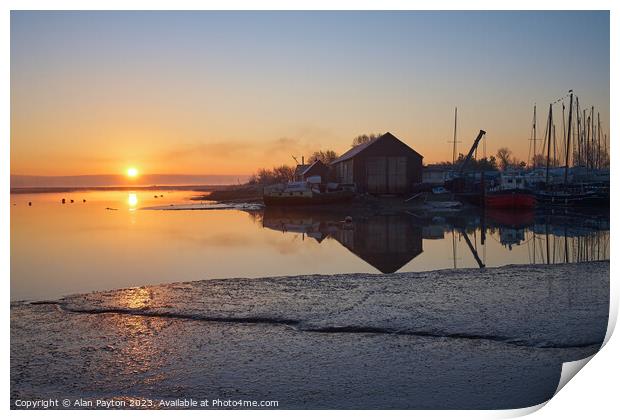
(514, 199)
(511, 194)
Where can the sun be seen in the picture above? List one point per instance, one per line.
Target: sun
(132, 172)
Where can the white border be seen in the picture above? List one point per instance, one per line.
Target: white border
(593, 394)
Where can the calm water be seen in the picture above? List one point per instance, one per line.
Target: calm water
(59, 249)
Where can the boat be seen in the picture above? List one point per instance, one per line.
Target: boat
(444, 205)
(590, 198)
(510, 194)
(307, 194)
(510, 199)
(586, 184)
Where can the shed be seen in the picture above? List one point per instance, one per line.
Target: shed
(385, 165)
(302, 172)
(437, 174)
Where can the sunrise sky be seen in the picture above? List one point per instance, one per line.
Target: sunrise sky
(228, 92)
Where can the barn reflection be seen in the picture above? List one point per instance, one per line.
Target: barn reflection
(390, 241)
(385, 241)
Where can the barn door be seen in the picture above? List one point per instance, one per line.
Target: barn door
(397, 174)
(376, 180)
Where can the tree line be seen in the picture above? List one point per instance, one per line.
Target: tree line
(285, 173)
(502, 160)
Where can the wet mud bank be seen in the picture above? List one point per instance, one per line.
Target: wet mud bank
(462, 339)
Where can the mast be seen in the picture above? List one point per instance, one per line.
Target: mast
(454, 139)
(598, 139)
(578, 133)
(534, 140)
(588, 144)
(592, 140)
(584, 154)
(570, 118)
(563, 127)
(555, 159)
(549, 128)
(605, 145)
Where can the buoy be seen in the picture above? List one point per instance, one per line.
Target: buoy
(63, 201)
(154, 196)
(30, 203)
(84, 201)
(72, 201)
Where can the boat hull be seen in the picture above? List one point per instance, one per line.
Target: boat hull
(292, 199)
(512, 199)
(588, 199)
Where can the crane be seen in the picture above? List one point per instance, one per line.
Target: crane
(471, 152)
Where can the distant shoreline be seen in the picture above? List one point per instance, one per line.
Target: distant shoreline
(42, 190)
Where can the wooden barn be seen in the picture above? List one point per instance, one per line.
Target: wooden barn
(385, 165)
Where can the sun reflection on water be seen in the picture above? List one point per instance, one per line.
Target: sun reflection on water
(132, 201)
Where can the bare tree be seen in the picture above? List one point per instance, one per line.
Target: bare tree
(365, 138)
(325, 156)
(504, 157)
(277, 175)
(540, 161)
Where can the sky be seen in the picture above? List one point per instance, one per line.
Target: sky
(229, 92)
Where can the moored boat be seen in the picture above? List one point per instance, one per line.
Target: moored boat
(510, 199)
(590, 198)
(510, 194)
(306, 194)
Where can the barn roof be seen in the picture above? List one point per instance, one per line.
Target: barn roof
(351, 153)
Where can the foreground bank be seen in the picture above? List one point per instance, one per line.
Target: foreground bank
(468, 339)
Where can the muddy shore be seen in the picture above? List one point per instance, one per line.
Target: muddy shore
(463, 339)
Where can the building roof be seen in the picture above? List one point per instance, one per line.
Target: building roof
(303, 169)
(438, 167)
(351, 153)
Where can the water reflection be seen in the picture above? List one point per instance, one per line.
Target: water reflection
(390, 241)
(61, 249)
(385, 241)
(132, 201)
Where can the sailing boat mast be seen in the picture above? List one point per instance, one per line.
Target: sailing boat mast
(587, 143)
(533, 139)
(454, 139)
(591, 139)
(578, 133)
(549, 128)
(570, 120)
(563, 131)
(555, 146)
(584, 152)
(598, 139)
